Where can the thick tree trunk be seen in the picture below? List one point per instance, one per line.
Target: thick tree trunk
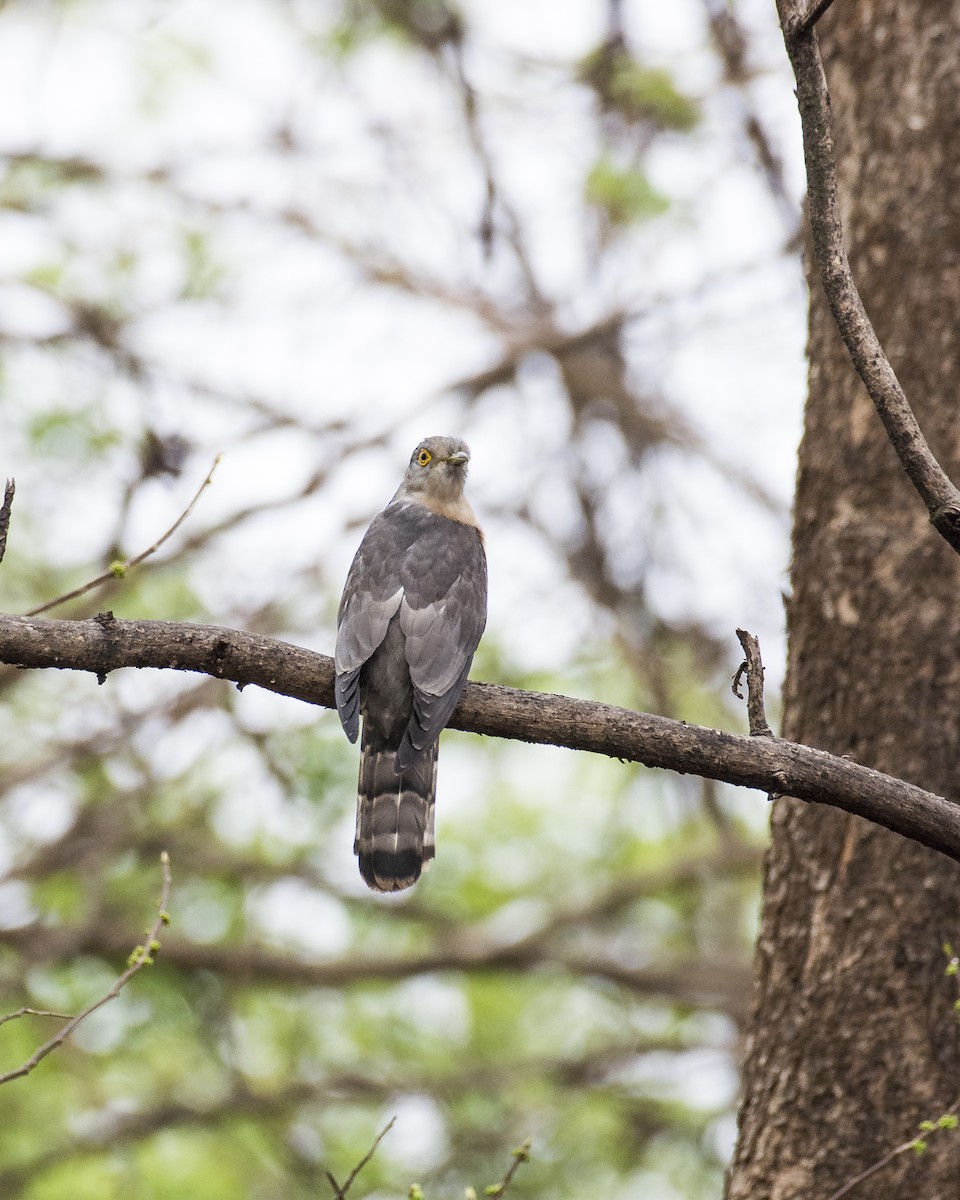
(853, 1037)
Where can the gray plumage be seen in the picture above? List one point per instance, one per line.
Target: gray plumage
(412, 612)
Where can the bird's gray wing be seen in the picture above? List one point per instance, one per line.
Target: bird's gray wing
(442, 615)
(434, 571)
(371, 597)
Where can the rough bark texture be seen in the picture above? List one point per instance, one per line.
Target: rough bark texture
(853, 1039)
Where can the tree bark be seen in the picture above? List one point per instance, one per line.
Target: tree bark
(853, 1038)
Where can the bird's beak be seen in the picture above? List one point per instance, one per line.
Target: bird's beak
(458, 458)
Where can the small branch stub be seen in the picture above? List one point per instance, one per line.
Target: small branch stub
(752, 667)
(5, 510)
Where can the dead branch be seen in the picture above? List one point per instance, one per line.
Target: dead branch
(5, 509)
(752, 667)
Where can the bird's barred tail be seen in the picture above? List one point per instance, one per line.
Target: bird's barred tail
(394, 817)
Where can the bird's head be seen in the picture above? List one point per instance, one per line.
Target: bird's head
(437, 470)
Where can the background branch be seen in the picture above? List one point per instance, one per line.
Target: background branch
(697, 983)
(105, 644)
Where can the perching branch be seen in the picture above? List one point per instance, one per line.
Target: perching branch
(104, 644)
(140, 957)
(938, 493)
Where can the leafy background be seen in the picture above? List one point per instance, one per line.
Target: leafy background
(302, 235)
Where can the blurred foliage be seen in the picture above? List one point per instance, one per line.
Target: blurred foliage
(305, 234)
(636, 92)
(625, 195)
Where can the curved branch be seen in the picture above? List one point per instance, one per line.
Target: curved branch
(938, 493)
(105, 644)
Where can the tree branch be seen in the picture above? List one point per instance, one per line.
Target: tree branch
(938, 493)
(105, 644)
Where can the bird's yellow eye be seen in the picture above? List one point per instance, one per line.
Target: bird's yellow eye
(424, 457)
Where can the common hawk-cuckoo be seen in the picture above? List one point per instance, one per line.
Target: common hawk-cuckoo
(413, 609)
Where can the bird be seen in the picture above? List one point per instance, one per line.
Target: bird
(413, 609)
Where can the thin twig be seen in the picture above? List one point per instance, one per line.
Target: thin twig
(917, 1144)
(872, 1170)
(5, 508)
(341, 1192)
(752, 667)
(941, 497)
(34, 1012)
(140, 957)
(947, 1119)
(119, 569)
(520, 1155)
